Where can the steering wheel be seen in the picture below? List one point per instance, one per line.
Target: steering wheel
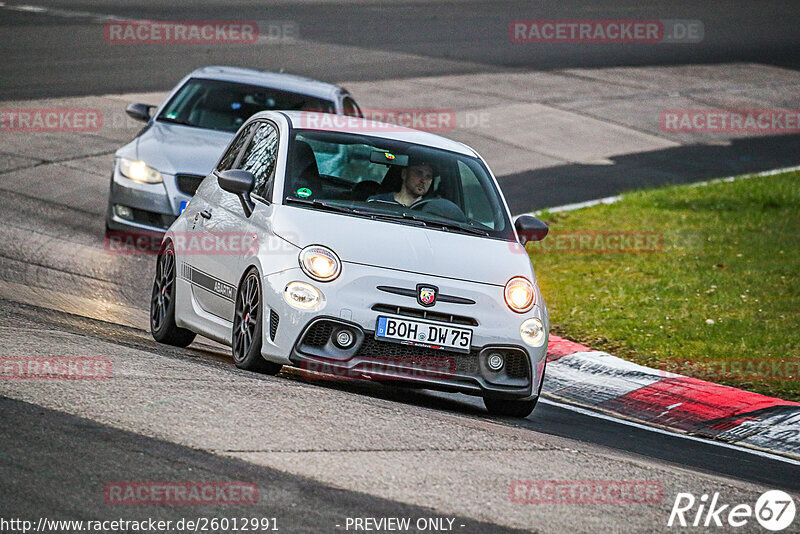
(421, 203)
(440, 207)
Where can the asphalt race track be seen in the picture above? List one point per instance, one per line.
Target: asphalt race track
(319, 452)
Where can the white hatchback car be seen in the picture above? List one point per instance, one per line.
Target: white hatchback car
(352, 248)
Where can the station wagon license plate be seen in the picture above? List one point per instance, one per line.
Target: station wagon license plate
(424, 334)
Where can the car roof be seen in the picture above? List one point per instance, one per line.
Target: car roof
(273, 80)
(367, 127)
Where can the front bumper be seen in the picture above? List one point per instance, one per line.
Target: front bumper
(316, 352)
(153, 207)
(353, 302)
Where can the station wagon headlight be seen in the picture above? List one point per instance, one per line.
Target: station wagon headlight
(519, 294)
(320, 263)
(532, 332)
(139, 171)
(301, 295)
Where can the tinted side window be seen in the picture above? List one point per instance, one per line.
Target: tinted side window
(261, 157)
(350, 107)
(235, 148)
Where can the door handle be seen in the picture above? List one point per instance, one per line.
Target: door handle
(206, 214)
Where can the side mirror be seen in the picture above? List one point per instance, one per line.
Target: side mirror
(241, 183)
(140, 112)
(530, 228)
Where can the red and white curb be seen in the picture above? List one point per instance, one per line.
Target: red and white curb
(579, 375)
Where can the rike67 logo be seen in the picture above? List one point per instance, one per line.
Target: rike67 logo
(774, 510)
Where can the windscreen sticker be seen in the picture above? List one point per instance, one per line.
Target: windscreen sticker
(304, 192)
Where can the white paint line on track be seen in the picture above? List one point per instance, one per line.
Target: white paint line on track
(32, 9)
(616, 198)
(590, 413)
(577, 205)
(64, 13)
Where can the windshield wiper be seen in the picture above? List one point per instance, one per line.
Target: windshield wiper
(176, 121)
(424, 221)
(458, 226)
(396, 216)
(324, 205)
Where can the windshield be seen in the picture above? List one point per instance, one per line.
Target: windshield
(394, 180)
(221, 105)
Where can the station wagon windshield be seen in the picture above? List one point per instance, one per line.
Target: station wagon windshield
(394, 181)
(221, 105)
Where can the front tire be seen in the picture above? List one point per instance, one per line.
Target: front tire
(246, 338)
(162, 303)
(510, 408)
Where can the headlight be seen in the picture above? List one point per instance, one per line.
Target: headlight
(320, 263)
(519, 294)
(532, 332)
(139, 171)
(301, 295)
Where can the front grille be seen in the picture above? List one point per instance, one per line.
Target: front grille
(425, 314)
(274, 318)
(188, 183)
(151, 218)
(516, 365)
(319, 334)
(417, 356)
(316, 342)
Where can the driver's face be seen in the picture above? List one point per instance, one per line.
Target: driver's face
(417, 179)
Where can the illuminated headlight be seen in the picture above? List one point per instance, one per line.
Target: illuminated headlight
(519, 294)
(301, 295)
(139, 171)
(532, 332)
(320, 263)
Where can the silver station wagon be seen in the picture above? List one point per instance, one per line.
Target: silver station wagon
(355, 249)
(156, 174)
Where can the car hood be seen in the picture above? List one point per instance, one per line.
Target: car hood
(403, 247)
(172, 148)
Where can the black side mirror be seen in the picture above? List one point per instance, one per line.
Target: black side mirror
(140, 112)
(530, 228)
(241, 183)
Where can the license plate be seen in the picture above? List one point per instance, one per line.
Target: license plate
(183, 206)
(423, 334)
